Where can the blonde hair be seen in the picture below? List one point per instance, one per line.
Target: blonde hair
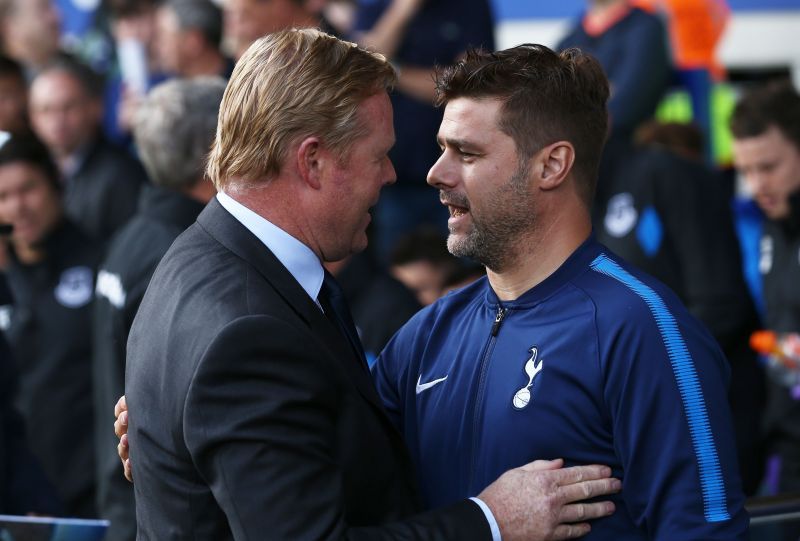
(287, 86)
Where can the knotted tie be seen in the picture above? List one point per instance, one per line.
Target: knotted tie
(331, 297)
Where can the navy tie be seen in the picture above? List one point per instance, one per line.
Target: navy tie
(332, 299)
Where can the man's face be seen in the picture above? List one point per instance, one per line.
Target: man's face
(482, 183)
(770, 164)
(13, 104)
(248, 20)
(351, 188)
(28, 202)
(62, 113)
(32, 30)
(168, 43)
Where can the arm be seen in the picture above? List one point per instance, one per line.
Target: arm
(640, 76)
(666, 394)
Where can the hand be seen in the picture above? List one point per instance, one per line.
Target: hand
(121, 430)
(537, 502)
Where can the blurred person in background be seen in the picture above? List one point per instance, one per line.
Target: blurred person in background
(133, 29)
(173, 129)
(24, 488)
(416, 35)
(188, 39)
(30, 32)
(632, 46)
(420, 261)
(248, 20)
(766, 151)
(50, 270)
(13, 97)
(101, 181)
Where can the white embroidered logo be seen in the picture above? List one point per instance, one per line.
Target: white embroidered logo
(425, 386)
(75, 287)
(621, 215)
(523, 397)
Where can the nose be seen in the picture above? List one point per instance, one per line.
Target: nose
(439, 176)
(391, 175)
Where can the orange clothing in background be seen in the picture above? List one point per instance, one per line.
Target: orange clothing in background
(695, 28)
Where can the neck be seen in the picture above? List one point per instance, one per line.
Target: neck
(270, 200)
(540, 254)
(209, 62)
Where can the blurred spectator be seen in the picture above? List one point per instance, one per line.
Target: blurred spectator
(23, 486)
(173, 129)
(685, 140)
(30, 31)
(417, 35)
(50, 271)
(380, 304)
(766, 148)
(13, 97)
(188, 39)
(695, 29)
(248, 20)
(672, 218)
(133, 27)
(420, 261)
(101, 182)
(631, 44)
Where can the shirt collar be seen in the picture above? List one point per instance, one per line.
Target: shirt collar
(301, 262)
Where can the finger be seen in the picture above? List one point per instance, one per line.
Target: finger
(570, 531)
(122, 451)
(128, 470)
(577, 512)
(576, 474)
(540, 465)
(120, 406)
(589, 489)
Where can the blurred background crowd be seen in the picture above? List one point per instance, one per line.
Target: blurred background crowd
(107, 108)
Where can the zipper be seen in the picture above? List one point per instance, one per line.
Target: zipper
(500, 315)
(498, 320)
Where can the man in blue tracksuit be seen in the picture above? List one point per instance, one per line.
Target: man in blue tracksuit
(563, 351)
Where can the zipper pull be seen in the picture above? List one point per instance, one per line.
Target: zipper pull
(498, 320)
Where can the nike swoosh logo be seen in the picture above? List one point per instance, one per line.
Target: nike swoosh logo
(425, 386)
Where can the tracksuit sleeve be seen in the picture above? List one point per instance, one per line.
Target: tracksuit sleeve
(665, 387)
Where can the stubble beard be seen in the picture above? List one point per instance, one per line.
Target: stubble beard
(492, 240)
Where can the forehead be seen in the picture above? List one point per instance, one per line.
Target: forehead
(769, 146)
(473, 119)
(15, 173)
(376, 111)
(55, 85)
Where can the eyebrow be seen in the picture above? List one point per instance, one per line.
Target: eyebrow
(458, 143)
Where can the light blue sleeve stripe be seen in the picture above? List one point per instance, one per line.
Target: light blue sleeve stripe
(711, 481)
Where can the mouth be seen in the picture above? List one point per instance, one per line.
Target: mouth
(456, 211)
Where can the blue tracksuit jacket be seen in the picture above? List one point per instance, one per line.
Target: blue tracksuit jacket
(598, 364)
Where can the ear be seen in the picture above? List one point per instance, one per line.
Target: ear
(310, 161)
(554, 162)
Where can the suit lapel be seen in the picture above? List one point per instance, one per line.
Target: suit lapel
(224, 228)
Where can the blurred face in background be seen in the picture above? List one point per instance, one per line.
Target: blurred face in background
(168, 40)
(13, 104)
(62, 112)
(770, 165)
(29, 202)
(248, 20)
(31, 31)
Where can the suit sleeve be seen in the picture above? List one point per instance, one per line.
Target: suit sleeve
(666, 394)
(260, 422)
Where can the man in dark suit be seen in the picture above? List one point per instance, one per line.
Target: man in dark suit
(253, 415)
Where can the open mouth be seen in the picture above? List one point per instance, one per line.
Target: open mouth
(456, 211)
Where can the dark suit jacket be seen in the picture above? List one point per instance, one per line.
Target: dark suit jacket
(250, 416)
